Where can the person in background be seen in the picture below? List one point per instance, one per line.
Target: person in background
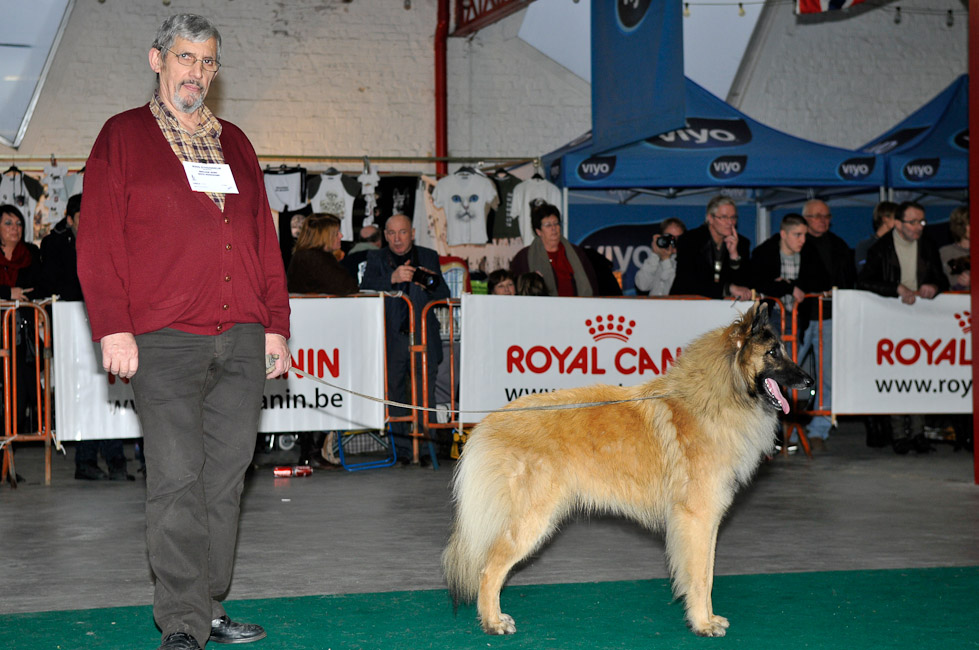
(186, 295)
(955, 256)
(314, 267)
(837, 260)
(905, 264)
(355, 261)
(563, 266)
(416, 272)
(20, 280)
(531, 284)
(59, 274)
(500, 283)
(658, 270)
(882, 222)
(713, 259)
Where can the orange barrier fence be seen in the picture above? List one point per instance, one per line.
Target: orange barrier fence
(25, 332)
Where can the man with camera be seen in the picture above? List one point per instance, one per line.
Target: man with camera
(414, 271)
(655, 276)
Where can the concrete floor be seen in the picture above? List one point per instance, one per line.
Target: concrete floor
(78, 545)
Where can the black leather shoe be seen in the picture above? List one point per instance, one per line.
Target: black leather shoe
(89, 473)
(179, 641)
(121, 476)
(224, 630)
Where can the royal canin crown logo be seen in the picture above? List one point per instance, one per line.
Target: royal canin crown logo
(965, 321)
(610, 327)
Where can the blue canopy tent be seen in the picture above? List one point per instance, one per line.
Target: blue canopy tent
(719, 149)
(929, 150)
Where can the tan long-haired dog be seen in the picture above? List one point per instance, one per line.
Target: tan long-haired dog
(671, 462)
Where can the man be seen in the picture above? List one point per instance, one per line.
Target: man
(906, 265)
(656, 275)
(59, 276)
(782, 267)
(355, 261)
(837, 260)
(186, 294)
(415, 271)
(882, 221)
(713, 260)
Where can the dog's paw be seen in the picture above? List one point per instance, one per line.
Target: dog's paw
(716, 626)
(504, 625)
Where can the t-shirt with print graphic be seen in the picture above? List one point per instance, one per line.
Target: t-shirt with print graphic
(467, 198)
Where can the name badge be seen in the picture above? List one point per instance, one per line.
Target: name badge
(210, 177)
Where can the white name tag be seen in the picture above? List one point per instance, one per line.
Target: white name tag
(210, 177)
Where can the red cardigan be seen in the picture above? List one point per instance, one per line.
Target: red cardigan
(152, 253)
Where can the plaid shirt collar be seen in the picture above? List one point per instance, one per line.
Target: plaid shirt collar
(203, 145)
(209, 126)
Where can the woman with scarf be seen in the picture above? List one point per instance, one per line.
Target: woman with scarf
(564, 266)
(20, 267)
(20, 274)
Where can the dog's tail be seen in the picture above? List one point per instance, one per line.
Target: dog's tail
(482, 514)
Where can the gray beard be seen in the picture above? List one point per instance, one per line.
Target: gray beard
(186, 107)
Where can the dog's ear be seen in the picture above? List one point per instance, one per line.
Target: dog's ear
(759, 317)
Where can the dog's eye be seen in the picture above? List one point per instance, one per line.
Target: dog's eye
(773, 352)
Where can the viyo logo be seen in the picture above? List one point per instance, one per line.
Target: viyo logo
(631, 12)
(705, 133)
(596, 168)
(856, 169)
(727, 166)
(921, 169)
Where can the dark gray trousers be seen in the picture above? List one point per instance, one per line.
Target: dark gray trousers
(198, 399)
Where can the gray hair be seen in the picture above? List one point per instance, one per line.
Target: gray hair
(718, 201)
(192, 27)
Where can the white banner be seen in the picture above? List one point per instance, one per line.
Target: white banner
(514, 345)
(889, 357)
(339, 340)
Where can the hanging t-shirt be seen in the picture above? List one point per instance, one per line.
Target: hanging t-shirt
(285, 188)
(368, 183)
(504, 220)
(333, 197)
(420, 219)
(466, 197)
(57, 195)
(74, 182)
(396, 195)
(24, 192)
(524, 194)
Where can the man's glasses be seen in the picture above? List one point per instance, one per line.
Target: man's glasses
(188, 60)
(725, 217)
(914, 222)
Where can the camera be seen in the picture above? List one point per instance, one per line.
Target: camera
(666, 241)
(425, 278)
(959, 265)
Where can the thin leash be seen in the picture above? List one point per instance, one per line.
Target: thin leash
(545, 407)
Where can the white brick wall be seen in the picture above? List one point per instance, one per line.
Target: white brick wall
(322, 77)
(316, 77)
(842, 80)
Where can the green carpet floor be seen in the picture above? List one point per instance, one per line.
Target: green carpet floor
(847, 610)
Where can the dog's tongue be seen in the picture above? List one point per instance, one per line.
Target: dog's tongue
(773, 388)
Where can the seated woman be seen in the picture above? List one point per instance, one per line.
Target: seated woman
(500, 283)
(20, 267)
(563, 266)
(315, 267)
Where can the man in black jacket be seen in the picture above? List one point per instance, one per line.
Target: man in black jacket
(712, 260)
(905, 264)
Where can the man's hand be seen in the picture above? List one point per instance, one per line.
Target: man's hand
(275, 344)
(16, 293)
(798, 294)
(739, 292)
(403, 273)
(119, 354)
(907, 296)
(927, 291)
(731, 241)
(963, 280)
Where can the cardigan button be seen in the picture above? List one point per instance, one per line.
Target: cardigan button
(227, 278)
(224, 307)
(228, 247)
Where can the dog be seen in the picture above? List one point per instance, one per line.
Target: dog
(668, 454)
